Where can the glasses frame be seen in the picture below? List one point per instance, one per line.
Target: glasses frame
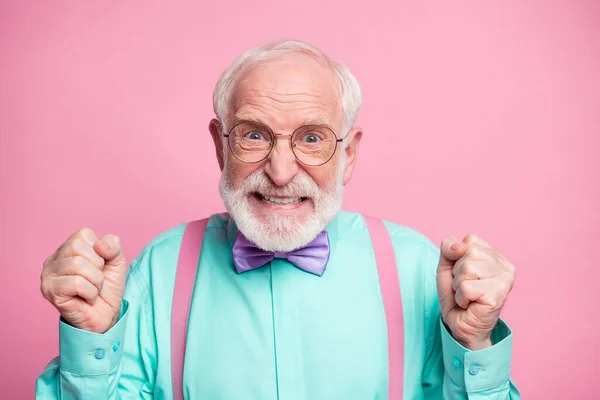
(274, 141)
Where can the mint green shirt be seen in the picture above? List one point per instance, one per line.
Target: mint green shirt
(278, 332)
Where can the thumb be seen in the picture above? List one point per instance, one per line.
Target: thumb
(451, 250)
(110, 249)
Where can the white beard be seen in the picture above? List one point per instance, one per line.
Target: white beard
(282, 233)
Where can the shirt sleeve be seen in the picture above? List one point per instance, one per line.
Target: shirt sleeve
(88, 362)
(481, 374)
(89, 353)
(451, 371)
(102, 366)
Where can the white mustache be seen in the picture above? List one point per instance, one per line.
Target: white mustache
(272, 231)
(301, 185)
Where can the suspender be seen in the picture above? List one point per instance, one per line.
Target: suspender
(385, 257)
(188, 263)
(185, 277)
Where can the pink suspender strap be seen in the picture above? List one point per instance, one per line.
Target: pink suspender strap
(187, 266)
(389, 283)
(185, 276)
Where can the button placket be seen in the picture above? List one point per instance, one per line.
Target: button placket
(287, 335)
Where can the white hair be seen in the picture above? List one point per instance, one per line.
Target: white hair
(349, 89)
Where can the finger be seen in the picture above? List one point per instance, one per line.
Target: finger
(480, 291)
(78, 265)
(86, 234)
(78, 246)
(68, 286)
(110, 249)
(471, 238)
(478, 251)
(451, 250)
(469, 269)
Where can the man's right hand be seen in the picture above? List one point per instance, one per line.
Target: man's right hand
(85, 280)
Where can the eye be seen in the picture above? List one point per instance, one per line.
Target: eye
(254, 136)
(311, 138)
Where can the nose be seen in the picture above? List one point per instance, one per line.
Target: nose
(281, 165)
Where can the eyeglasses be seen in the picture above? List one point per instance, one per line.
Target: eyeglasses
(252, 142)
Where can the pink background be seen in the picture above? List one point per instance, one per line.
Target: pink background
(478, 116)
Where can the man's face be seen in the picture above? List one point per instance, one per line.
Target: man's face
(280, 203)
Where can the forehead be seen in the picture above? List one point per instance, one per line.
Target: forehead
(287, 92)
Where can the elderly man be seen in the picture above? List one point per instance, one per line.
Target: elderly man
(285, 296)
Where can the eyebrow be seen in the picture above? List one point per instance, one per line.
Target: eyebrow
(318, 120)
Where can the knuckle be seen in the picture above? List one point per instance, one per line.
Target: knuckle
(512, 270)
(79, 283)
(46, 267)
(469, 269)
(84, 232)
(70, 244)
(471, 252)
(77, 243)
(97, 278)
(500, 299)
(47, 261)
(504, 287)
(47, 290)
(44, 288)
(78, 262)
(511, 283)
(97, 261)
(43, 274)
(455, 283)
(475, 251)
(464, 286)
(60, 248)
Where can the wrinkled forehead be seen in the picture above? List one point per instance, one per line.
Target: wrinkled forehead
(288, 92)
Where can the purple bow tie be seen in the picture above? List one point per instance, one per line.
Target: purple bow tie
(311, 258)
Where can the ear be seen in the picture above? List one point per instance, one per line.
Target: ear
(215, 131)
(353, 139)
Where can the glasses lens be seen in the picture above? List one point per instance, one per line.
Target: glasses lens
(250, 142)
(314, 144)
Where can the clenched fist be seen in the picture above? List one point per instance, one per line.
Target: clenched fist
(473, 281)
(85, 280)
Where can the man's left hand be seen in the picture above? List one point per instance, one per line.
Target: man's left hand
(473, 283)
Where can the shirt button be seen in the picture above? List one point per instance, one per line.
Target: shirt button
(99, 354)
(116, 346)
(456, 362)
(474, 369)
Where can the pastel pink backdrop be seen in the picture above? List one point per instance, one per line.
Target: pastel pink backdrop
(478, 116)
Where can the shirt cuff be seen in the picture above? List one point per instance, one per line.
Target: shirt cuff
(482, 369)
(89, 353)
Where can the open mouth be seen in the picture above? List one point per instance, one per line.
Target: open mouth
(279, 200)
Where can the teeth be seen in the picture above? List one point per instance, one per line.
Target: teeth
(287, 200)
(280, 200)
